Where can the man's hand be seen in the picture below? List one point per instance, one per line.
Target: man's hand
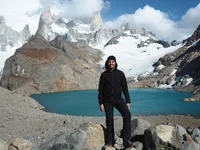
(102, 107)
(128, 105)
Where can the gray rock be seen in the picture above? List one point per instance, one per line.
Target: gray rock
(163, 43)
(89, 136)
(196, 135)
(162, 137)
(174, 43)
(190, 146)
(3, 144)
(181, 130)
(138, 126)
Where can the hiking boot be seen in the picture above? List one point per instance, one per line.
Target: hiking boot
(128, 144)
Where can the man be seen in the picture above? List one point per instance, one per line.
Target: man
(111, 85)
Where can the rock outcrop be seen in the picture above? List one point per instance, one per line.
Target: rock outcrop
(46, 22)
(40, 66)
(96, 21)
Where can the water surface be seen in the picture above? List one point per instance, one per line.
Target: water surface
(143, 102)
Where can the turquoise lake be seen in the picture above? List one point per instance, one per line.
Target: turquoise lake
(143, 102)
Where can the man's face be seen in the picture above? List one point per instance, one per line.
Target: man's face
(111, 64)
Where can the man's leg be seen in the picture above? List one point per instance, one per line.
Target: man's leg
(109, 123)
(124, 111)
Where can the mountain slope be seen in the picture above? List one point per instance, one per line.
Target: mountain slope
(10, 40)
(180, 69)
(135, 53)
(40, 66)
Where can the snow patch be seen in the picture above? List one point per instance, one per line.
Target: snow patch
(132, 60)
(189, 80)
(58, 29)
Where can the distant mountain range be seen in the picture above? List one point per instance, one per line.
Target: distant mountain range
(11, 38)
(70, 55)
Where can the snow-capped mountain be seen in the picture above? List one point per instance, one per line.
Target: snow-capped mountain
(10, 40)
(94, 34)
(132, 58)
(139, 54)
(136, 50)
(131, 47)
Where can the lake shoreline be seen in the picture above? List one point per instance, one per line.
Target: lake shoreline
(21, 116)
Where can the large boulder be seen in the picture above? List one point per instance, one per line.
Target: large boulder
(162, 137)
(89, 136)
(138, 126)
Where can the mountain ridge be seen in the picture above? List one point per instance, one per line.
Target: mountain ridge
(170, 69)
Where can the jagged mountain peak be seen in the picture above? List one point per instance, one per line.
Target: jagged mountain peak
(96, 21)
(25, 34)
(46, 13)
(144, 32)
(26, 27)
(126, 26)
(46, 24)
(10, 38)
(48, 16)
(195, 36)
(75, 30)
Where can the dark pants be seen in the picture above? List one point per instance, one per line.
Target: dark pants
(124, 111)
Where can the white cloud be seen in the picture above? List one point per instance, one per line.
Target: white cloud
(191, 18)
(18, 14)
(28, 12)
(159, 23)
(76, 9)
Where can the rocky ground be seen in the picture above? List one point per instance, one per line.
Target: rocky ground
(22, 116)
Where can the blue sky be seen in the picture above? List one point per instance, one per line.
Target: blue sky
(169, 20)
(174, 8)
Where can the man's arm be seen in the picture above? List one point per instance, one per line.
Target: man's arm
(100, 95)
(125, 89)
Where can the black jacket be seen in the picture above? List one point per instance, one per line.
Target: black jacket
(111, 85)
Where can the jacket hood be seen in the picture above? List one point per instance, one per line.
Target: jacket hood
(110, 58)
